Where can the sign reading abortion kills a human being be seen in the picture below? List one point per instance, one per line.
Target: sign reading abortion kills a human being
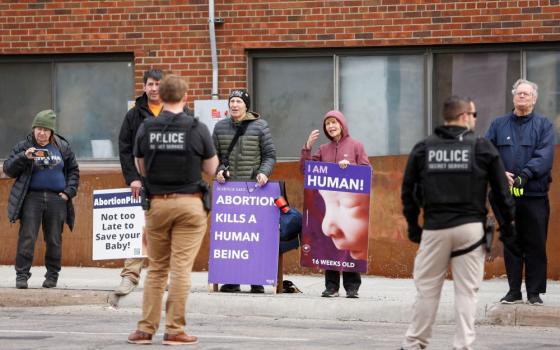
(244, 233)
(118, 222)
(336, 216)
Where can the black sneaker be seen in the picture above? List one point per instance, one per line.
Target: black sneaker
(329, 293)
(257, 289)
(230, 288)
(535, 300)
(512, 298)
(352, 294)
(21, 284)
(49, 283)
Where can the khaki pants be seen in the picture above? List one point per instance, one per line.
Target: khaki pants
(430, 269)
(132, 268)
(175, 228)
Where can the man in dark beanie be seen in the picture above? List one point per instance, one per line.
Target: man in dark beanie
(242, 94)
(254, 161)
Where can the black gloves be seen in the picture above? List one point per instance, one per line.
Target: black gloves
(414, 233)
(508, 236)
(518, 183)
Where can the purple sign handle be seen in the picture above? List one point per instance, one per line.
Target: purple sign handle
(244, 233)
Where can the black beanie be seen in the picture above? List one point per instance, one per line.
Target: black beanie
(242, 94)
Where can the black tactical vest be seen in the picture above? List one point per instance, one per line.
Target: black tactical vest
(171, 165)
(448, 176)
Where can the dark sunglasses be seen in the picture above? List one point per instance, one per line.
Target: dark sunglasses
(474, 114)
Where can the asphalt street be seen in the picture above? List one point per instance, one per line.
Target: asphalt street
(93, 327)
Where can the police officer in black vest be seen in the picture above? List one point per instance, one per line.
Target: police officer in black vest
(170, 153)
(447, 174)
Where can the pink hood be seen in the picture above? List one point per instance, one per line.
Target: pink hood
(346, 148)
(341, 119)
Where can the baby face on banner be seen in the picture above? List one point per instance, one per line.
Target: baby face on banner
(346, 221)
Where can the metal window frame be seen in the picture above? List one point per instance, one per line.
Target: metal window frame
(53, 60)
(336, 54)
(429, 53)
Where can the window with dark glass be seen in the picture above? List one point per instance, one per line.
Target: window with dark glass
(383, 91)
(543, 68)
(381, 96)
(484, 77)
(292, 95)
(383, 99)
(89, 94)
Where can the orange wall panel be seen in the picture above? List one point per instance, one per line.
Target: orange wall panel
(390, 252)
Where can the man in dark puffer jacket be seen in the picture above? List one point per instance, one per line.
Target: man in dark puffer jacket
(253, 156)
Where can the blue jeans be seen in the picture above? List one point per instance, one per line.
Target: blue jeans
(46, 209)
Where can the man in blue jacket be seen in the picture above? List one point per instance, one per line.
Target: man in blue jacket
(526, 143)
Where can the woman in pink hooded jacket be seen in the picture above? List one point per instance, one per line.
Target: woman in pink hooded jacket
(344, 150)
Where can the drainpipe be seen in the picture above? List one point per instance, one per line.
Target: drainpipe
(212, 31)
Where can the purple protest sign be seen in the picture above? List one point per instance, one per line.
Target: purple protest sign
(244, 234)
(336, 216)
(331, 177)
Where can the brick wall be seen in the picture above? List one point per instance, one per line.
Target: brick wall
(174, 34)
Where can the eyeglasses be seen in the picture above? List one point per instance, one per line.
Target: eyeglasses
(474, 114)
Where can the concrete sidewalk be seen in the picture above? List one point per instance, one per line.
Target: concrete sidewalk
(381, 299)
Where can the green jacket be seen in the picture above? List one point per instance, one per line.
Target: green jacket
(254, 151)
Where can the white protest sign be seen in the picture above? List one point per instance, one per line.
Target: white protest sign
(118, 222)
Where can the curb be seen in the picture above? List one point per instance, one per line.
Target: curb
(524, 315)
(298, 306)
(34, 297)
(379, 309)
(289, 306)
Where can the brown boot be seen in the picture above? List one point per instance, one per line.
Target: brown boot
(139, 337)
(179, 339)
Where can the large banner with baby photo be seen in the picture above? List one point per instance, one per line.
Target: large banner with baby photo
(336, 216)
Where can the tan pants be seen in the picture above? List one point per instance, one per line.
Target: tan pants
(175, 228)
(132, 268)
(430, 269)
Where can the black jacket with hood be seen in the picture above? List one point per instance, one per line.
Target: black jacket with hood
(487, 167)
(127, 135)
(20, 167)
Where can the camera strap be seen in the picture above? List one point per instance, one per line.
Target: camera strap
(238, 133)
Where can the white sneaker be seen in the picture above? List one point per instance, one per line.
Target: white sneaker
(125, 287)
